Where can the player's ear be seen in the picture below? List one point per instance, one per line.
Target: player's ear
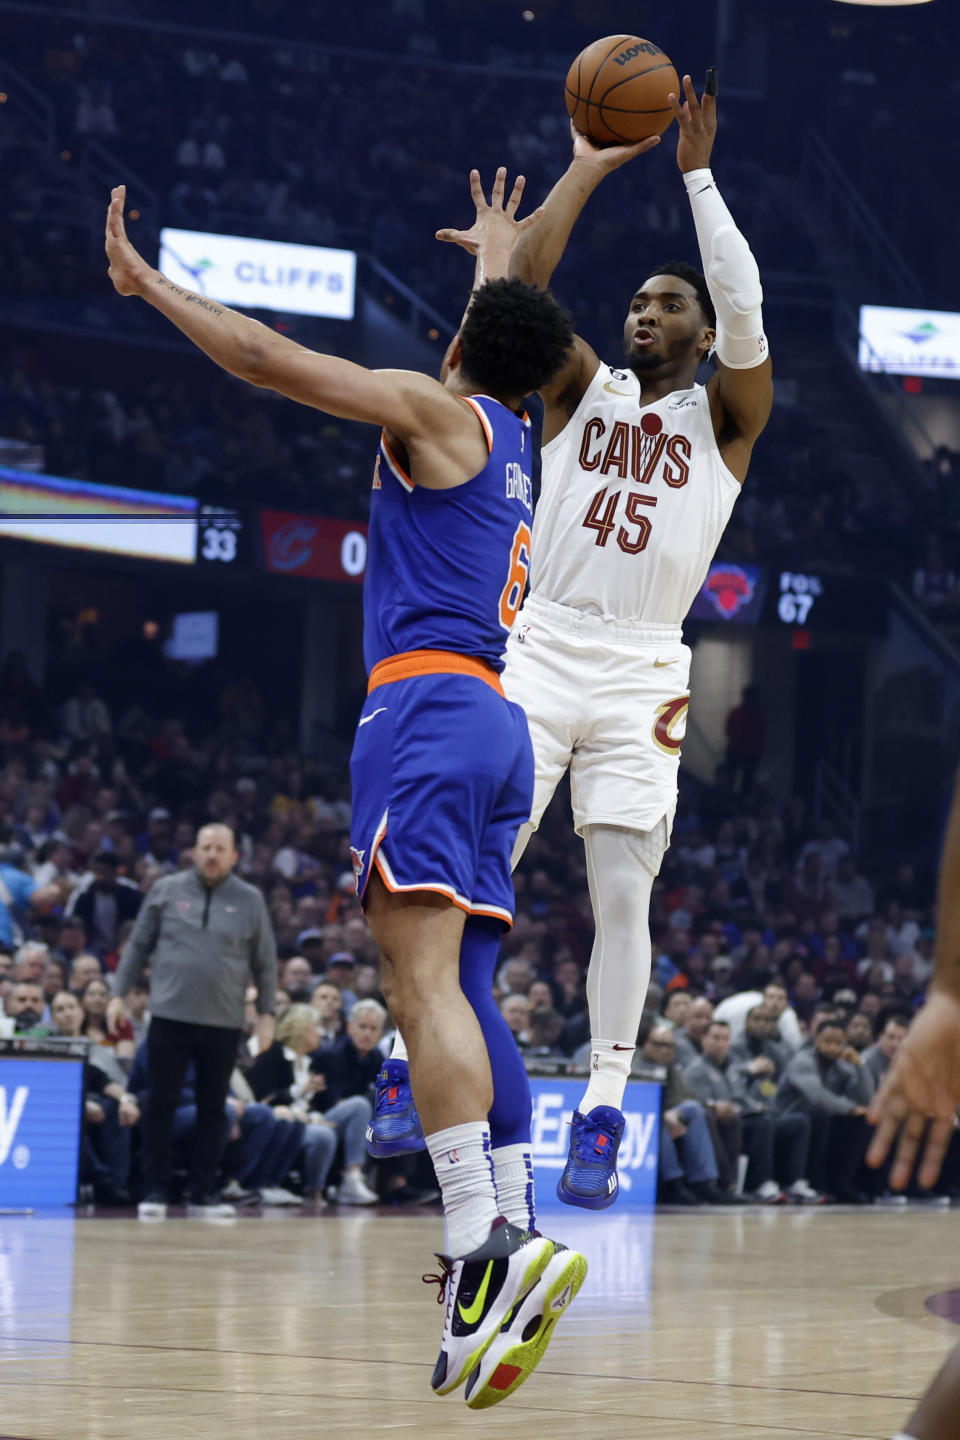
(708, 338)
(451, 361)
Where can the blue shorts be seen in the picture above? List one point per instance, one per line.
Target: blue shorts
(442, 775)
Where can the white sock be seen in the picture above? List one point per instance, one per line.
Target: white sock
(609, 1072)
(399, 1051)
(513, 1171)
(461, 1157)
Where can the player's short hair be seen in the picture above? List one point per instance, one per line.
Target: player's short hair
(514, 337)
(692, 275)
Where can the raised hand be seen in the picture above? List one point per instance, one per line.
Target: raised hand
(697, 123)
(127, 266)
(915, 1107)
(496, 229)
(608, 157)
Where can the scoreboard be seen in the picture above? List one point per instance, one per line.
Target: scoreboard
(801, 598)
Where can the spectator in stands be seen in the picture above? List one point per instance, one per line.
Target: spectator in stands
(745, 729)
(283, 1076)
(340, 969)
(688, 1165)
(297, 978)
(85, 716)
(21, 896)
(859, 1032)
(774, 995)
(675, 1007)
(202, 932)
(327, 1003)
(834, 1095)
(25, 1005)
(851, 894)
(94, 1000)
(136, 1005)
(544, 1031)
(706, 1078)
(104, 902)
(696, 1025)
(515, 1009)
(83, 969)
(878, 1057)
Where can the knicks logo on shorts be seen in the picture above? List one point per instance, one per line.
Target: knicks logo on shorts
(356, 857)
(671, 725)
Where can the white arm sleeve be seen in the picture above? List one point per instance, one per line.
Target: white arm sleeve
(732, 276)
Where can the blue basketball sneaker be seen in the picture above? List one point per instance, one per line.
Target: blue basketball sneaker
(590, 1175)
(395, 1128)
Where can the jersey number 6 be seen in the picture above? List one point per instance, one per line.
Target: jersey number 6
(512, 592)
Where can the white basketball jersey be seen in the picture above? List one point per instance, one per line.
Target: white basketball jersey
(633, 502)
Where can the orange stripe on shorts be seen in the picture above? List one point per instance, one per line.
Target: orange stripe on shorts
(431, 662)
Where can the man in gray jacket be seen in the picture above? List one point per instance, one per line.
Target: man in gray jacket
(204, 933)
(775, 1145)
(834, 1094)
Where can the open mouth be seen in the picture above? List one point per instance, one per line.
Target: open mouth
(643, 338)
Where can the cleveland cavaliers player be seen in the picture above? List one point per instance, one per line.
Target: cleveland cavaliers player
(641, 470)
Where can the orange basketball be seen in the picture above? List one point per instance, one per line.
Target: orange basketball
(616, 90)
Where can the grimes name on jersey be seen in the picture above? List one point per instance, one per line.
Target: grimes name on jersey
(519, 485)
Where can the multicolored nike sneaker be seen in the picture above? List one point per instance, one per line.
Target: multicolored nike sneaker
(481, 1289)
(525, 1334)
(395, 1128)
(589, 1177)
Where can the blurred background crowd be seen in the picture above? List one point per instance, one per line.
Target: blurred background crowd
(760, 917)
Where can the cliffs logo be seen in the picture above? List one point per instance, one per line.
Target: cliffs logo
(292, 544)
(11, 1113)
(728, 589)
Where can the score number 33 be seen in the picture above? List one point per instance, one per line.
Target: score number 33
(602, 513)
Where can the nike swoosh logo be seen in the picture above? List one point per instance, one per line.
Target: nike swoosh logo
(628, 394)
(624, 1047)
(657, 665)
(472, 1314)
(367, 718)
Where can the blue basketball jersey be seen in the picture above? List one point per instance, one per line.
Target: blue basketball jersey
(446, 569)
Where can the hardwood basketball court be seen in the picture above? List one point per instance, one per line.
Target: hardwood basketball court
(707, 1325)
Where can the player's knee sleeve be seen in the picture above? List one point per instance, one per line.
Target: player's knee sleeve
(510, 1113)
(732, 275)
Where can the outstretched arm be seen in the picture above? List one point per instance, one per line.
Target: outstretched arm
(495, 230)
(919, 1097)
(408, 404)
(741, 391)
(540, 249)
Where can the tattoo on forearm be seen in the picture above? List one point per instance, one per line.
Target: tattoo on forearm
(191, 297)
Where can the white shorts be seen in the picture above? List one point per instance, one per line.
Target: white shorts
(608, 698)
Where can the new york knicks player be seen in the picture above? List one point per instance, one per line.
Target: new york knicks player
(442, 766)
(918, 1102)
(641, 470)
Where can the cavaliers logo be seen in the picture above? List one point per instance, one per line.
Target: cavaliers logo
(671, 725)
(729, 588)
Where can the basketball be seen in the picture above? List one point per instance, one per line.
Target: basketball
(617, 88)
